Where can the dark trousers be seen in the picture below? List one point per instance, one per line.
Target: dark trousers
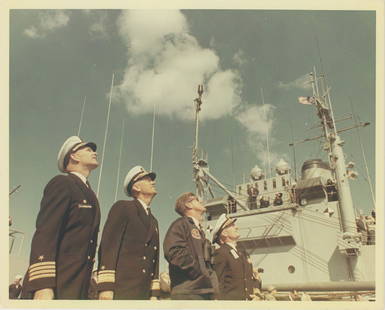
(192, 297)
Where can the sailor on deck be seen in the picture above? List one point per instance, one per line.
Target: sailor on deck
(129, 249)
(64, 244)
(15, 288)
(231, 262)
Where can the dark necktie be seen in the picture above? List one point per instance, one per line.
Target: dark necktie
(202, 232)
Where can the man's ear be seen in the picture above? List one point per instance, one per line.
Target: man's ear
(188, 205)
(136, 188)
(74, 157)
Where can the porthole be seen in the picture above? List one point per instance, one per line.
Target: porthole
(291, 269)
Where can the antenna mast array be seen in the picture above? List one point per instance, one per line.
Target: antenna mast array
(201, 174)
(350, 242)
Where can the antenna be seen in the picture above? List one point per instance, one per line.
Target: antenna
(267, 136)
(14, 190)
(105, 135)
(81, 115)
(293, 146)
(120, 157)
(195, 155)
(363, 156)
(152, 138)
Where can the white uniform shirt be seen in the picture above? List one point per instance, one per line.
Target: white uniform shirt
(80, 176)
(145, 207)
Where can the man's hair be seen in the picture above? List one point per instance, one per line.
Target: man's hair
(180, 205)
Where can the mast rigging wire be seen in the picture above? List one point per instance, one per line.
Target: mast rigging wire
(81, 116)
(119, 161)
(105, 136)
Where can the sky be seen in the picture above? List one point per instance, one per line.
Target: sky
(60, 59)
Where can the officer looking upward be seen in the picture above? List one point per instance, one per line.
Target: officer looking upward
(129, 249)
(64, 244)
(231, 262)
(188, 253)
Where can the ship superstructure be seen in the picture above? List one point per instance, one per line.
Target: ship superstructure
(305, 233)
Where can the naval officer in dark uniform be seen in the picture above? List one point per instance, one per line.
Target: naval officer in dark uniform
(63, 246)
(188, 253)
(231, 262)
(129, 249)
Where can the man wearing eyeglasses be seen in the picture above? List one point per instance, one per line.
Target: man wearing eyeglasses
(188, 253)
(129, 249)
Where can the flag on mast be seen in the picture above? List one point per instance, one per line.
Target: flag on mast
(306, 100)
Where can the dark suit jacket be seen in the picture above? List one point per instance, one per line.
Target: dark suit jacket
(190, 271)
(235, 275)
(64, 244)
(129, 251)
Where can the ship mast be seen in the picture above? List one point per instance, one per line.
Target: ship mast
(201, 174)
(350, 240)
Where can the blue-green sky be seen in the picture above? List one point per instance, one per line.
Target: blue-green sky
(57, 58)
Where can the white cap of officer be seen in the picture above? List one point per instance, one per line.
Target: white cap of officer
(135, 174)
(72, 144)
(222, 222)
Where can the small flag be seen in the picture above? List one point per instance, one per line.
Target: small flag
(306, 100)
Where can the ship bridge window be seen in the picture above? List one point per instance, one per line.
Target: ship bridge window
(274, 184)
(283, 182)
(265, 185)
(291, 269)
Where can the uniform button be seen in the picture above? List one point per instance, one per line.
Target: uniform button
(155, 248)
(146, 244)
(144, 270)
(246, 289)
(152, 274)
(144, 257)
(89, 257)
(153, 260)
(92, 241)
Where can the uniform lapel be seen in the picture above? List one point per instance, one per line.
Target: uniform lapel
(152, 227)
(84, 188)
(144, 218)
(91, 197)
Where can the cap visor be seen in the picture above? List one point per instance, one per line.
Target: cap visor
(92, 145)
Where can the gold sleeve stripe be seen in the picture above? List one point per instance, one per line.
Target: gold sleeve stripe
(106, 278)
(106, 272)
(34, 273)
(155, 285)
(42, 268)
(46, 275)
(42, 264)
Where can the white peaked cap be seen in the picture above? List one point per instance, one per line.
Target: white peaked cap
(222, 222)
(135, 174)
(71, 144)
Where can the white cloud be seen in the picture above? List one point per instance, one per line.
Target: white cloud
(239, 58)
(48, 22)
(303, 82)
(31, 32)
(165, 64)
(257, 119)
(98, 19)
(259, 124)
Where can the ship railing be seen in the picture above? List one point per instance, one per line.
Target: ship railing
(12, 238)
(264, 231)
